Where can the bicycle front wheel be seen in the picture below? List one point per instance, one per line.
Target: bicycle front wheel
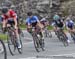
(3, 53)
(36, 42)
(11, 45)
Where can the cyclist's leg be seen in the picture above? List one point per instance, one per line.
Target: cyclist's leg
(18, 38)
(17, 34)
(72, 33)
(55, 27)
(41, 32)
(64, 33)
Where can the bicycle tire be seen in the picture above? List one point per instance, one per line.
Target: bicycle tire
(73, 37)
(36, 42)
(11, 42)
(20, 49)
(65, 41)
(5, 52)
(42, 44)
(62, 38)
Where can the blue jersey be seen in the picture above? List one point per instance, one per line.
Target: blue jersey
(31, 20)
(70, 24)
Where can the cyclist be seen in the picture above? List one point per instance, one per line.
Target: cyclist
(55, 18)
(59, 24)
(10, 18)
(70, 25)
(45, 22)
(33, 21)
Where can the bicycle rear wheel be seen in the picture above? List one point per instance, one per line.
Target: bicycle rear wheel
(20, 49)
(21, 36)
(73, 37)
(3, 52)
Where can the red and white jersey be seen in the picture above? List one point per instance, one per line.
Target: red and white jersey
(11, 15)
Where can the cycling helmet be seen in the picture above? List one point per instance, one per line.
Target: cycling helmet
(29, 14)
(56, 17)
(4, 10)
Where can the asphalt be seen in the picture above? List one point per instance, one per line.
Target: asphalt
(54, 49)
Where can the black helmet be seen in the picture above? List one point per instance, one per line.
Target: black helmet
(29, 13)
(4, 10)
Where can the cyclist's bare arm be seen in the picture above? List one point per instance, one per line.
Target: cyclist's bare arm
(15, 20)
(4, 23)
(40, 25)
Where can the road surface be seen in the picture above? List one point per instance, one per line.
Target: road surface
(53, 49)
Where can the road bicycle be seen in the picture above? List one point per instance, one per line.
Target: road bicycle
(62, 37)
(37, 38)
(13, 42)
(48, 33)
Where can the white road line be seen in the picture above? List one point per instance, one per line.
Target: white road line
(28, 42)
(67, 55)
(70, 54)
(28, 58)
(35, 58)
(27, 38)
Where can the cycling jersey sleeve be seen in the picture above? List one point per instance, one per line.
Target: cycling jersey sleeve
(36, 18)
(27, 21)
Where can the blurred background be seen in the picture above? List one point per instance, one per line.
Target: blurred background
(41, 8)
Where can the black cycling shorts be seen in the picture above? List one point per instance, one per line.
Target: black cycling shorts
(34, 24)
(10, 22)
(60, 24)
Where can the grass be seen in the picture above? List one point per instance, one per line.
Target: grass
(23, 27)
(3, 36)
(50, 27)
